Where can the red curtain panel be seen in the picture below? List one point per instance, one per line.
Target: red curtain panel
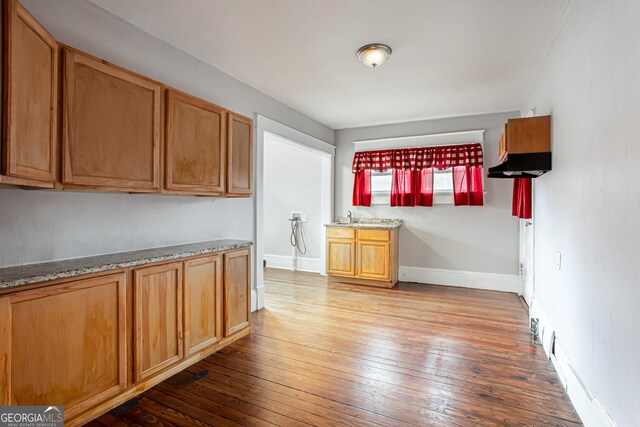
(362, 188)
(412, 188)
(521, 204)
(467, 186)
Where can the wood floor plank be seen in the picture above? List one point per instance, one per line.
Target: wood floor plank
(369, 383)
(334, 354)
(230, 401)
(413, 379)
(204, 407)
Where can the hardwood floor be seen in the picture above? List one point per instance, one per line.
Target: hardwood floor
(345, 355)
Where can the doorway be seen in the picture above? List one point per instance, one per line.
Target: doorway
(294, 178)
(296, 204)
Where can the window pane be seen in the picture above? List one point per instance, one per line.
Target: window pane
(443, 181)
(381, 182)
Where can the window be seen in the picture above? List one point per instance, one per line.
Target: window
(381, 182)
(443, 181)
(442, 187)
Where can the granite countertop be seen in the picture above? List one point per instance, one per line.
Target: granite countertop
(386, 223)
(42, 272)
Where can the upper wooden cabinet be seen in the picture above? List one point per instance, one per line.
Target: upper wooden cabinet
(114, 123)
(64, 344)
(239, 155)
(525, 136)
(195, 145)
(111, 121)
(237, 291)
(30, 97)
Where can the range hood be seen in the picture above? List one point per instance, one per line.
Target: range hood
(524, 148)
(522, 165)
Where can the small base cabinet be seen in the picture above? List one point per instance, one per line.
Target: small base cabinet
(95, 342)
(363, 256)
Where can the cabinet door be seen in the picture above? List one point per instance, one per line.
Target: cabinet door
(237, 291)
(202, 303)
(111, 124)
(195, 149)
(239, 155)
(64, 344)
(373, 260)
(341, 257)
(31, 85)
(157, 312)
(502, 146)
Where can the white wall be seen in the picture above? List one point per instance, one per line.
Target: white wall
(475, 239)
(292, 182)
(39, 226)
(588, 207)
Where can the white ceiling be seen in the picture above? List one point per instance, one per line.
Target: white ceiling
(450, 57)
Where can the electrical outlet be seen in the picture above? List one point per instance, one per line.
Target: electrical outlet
(521, 270)
(558, 260)
(305, 218)
(296, 215)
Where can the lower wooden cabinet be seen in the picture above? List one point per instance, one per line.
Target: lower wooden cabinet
(341, 257)
(64, 344)
(93, 343)
(237, 291)
(202, 303)
(373, 260)
(366, 256)
(157, 318)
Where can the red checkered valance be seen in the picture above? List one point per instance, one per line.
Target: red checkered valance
(415, 159)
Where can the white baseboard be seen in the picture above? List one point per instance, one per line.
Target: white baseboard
(591, 411)
(257, 298)
(313, 265)
(464, 279)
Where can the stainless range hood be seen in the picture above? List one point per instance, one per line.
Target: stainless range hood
(524, 165)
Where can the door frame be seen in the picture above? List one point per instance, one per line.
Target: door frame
(527, 227)
(267, 125)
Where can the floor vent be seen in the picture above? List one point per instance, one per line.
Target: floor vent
(535, 331)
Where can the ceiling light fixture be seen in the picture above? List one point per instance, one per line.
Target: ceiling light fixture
(374, 55)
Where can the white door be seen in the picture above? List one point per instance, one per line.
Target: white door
(526, 259)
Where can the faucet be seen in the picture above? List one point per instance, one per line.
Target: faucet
(349, 217)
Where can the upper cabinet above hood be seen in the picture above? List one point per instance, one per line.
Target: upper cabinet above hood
(525, 148)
